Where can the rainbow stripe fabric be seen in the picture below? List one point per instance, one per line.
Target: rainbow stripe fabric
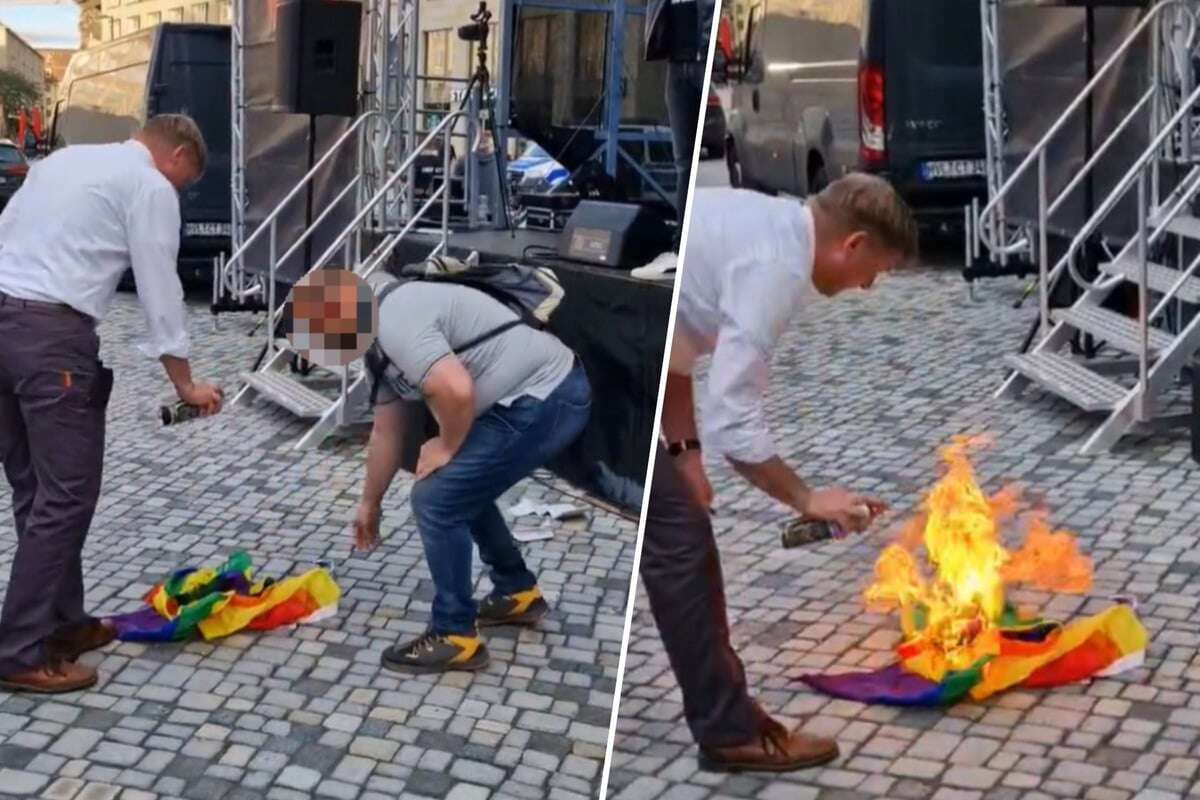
(216, 602)
(1030, 654)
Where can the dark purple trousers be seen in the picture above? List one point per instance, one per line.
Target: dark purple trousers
(53, 394)
(681, 570)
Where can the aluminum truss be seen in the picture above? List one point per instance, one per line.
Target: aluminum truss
(609, 132)
(388, 88)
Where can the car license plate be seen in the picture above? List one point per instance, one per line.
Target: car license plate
(207, 229)
(949, 170)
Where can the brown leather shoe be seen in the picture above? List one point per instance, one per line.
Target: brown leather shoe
(775, 750)
(54, 677)
(71, 643)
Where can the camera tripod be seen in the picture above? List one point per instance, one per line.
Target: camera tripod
(480, 82)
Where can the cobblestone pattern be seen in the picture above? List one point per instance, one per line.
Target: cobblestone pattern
(865, 389)
(306, 712)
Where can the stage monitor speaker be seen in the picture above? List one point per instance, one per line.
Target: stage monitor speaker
(619, 235)
(316, 46)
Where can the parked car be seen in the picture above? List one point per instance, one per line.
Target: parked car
(895, 89)
(536, 171)
(712, 139)
(13, 169)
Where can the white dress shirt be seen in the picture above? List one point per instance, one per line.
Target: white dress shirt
(84, 215)
(747, 270)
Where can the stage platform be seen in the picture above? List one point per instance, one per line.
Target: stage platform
(617, 325)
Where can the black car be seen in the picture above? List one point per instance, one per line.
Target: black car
(712, 139)
(891, 88)
(13, 169)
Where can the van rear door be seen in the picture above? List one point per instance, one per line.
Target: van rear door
(191, 76)
(933, 87)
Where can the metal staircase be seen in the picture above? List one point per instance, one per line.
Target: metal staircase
(1144, 353)
(273, 381)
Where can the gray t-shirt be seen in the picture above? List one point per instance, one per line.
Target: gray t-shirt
(421, 322)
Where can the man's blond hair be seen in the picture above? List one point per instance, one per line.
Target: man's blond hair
(179, 130)
(862, 202)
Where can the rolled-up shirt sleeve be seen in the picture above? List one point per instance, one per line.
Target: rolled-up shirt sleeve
(153, 225)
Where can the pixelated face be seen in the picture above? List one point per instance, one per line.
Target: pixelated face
(332, 317)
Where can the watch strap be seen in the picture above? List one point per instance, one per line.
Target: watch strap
(676, 448)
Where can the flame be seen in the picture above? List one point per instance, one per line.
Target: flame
(953, 615)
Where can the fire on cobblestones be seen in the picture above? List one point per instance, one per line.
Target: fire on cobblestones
(961, 634)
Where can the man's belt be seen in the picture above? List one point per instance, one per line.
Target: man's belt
(20, 302)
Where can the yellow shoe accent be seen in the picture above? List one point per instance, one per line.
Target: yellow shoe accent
(467, 645)
(524, 600)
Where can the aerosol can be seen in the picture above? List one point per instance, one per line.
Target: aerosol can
(176, 413)
(800, 532)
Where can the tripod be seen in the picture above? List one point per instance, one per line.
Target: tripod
(481, 82)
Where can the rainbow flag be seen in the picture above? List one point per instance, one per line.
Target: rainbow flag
(219, 601)
(1030, 654)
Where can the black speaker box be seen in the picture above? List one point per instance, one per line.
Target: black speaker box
(619, 235)
(316, 46)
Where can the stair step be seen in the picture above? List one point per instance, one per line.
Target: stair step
(288, 393)
(1185, 225)
(1069, 380)
(1120, 331)
(1161, 278)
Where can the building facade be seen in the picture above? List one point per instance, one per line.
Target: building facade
(105, 20)
(18, 56)
(55, 61)
(443, 54)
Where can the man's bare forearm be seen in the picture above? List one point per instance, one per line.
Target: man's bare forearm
(179, 371)
(679, 409)
(455, 414)
(383, 454)
(776, 479)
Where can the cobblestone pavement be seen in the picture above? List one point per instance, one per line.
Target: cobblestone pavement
(305, 712)
(865, 389)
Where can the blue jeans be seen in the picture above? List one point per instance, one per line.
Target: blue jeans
(457, 504)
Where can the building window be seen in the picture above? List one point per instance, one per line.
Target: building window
(153, 19)
(133, 24)
(437, 65)
(200, 12)
(175, 14)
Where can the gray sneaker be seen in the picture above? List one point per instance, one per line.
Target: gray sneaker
(523, 608)
(433, 653)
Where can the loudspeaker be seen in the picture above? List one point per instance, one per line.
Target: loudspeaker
(621, 235)
(316, 47)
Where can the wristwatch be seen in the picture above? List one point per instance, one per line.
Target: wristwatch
(677, 448)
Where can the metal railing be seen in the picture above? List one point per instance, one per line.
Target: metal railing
(988, 219)
(226, 277)
(337, 411)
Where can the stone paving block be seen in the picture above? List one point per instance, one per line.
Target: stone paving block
(875, 427)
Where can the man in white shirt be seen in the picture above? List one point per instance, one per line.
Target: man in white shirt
(84, 216)
(752, 263)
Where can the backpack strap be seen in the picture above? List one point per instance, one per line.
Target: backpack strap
(377, 361)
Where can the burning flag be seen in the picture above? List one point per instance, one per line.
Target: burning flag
(218, 602)
(961, 637)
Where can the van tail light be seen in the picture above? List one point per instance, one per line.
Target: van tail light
(17, 170)
(872, 151)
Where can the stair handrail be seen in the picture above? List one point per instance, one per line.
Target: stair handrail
(1118, 193)
(986, 228)
(239, 255)
(381, 194)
